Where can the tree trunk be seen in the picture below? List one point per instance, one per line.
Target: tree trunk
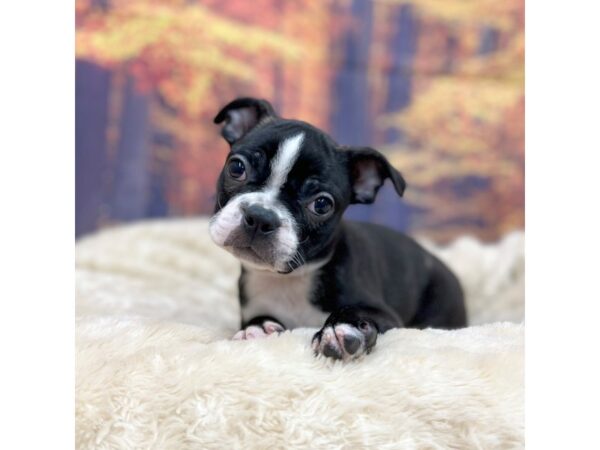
(351, 117)
(389, 210)
(131, 169)
(92, 85)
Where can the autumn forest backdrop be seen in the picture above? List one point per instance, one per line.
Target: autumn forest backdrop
(437, 85)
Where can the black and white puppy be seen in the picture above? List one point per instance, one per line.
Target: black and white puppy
(280, 200)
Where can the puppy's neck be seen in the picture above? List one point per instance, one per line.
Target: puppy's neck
(305, 270)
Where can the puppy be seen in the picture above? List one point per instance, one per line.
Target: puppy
(280, 201)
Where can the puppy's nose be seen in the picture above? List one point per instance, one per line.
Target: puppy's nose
(260, 221)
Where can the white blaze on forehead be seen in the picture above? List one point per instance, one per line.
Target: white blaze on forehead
(284, 160)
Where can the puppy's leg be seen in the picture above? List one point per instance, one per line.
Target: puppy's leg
(259, 327)
(442, 303)
(351, 331)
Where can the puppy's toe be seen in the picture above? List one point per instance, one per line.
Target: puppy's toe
(271, 327)
(255, 332)
(239, 335)
(262, 330)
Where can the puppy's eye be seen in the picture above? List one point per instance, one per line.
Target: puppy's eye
(363, 325)
(321, 205)
(236, 169)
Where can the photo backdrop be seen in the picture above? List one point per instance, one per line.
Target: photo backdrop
(437, 85)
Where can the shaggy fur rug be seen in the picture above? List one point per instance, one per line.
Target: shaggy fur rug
(156, 306)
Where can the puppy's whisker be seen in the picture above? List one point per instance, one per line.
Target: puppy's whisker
(303, 241)
(296, 260)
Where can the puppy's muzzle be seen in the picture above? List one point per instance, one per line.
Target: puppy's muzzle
(259, 222)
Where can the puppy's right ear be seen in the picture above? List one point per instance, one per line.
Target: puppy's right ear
(368, 170)
(241, 115)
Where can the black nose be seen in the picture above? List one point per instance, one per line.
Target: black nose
(260, 221)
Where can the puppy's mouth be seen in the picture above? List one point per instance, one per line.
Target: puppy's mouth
(247, 253)
(257, 254)
(251, 257)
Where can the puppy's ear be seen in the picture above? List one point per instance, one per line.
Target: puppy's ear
(368, 169)
(241, 115)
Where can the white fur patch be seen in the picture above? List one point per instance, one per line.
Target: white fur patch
(284, 297)
(282, 163)
(230, 217)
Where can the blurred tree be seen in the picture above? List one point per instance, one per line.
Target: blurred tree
(463, 151)
(92, 85)
(187, 58)
(180, 48)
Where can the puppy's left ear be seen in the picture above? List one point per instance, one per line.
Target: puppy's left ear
(241, 115)
(368, 170)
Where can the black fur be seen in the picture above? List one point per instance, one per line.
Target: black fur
(390, 272)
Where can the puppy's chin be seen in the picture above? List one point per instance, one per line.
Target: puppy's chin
(250, 260)
(249, 257)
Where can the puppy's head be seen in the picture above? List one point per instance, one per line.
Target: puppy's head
(285, 186)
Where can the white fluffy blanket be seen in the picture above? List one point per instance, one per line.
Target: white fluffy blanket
(156, 304)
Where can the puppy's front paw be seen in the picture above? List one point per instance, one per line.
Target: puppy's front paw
(258, 330)
(345, 341)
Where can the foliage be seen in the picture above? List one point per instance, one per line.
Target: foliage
(180, 48)
(463, 132)
(192, 57)
(497, 14)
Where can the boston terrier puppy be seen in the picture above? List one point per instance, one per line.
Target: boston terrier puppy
(280, 201)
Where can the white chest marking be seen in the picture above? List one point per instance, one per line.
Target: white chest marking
(284, 297)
